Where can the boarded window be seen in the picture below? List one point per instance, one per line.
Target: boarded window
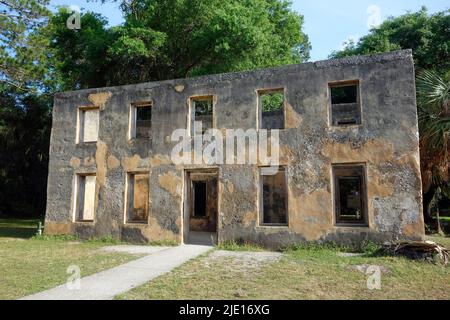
(345, 104)
(141, 122)
(350, 194)
(272, 110)
(89, 123)
(202, 110)
(274, 197)
(85, 202)
(138, 198)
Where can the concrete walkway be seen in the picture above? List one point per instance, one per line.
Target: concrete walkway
(105, 285)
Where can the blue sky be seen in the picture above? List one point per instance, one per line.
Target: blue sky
(328, 23)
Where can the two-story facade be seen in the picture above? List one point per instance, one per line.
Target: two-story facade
(348, 157)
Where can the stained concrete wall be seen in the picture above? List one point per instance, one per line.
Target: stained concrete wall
(386, 141)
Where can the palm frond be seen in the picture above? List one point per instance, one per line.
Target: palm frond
(433, 92)
(433, 99)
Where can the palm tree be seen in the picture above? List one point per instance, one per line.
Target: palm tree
(433, 100)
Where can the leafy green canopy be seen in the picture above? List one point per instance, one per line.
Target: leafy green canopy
(164, 39)
(272, 101)
(78, 58)
(427, 35)
(22, 52)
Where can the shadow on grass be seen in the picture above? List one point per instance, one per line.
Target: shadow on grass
(24, 233)
(17, 228)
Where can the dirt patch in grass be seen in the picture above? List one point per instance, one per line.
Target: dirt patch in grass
(133, 249)
(241, 261)
(348, 254)
(235, 246)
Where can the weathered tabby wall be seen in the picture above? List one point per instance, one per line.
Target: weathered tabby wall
(387, 141)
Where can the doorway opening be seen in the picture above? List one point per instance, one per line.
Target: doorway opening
(201, 206)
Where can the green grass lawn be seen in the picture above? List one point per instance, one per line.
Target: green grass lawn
(31, 265)
(303, 273)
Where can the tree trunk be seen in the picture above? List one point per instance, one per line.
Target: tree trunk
(438, 223)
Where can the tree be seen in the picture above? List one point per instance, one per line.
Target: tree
(433, 99)
(427, 35)
(24, 107)
(24, 142)
(164, 39)
(78, 58)
(21, 51)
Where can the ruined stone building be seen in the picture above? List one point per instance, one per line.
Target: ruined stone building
(348, 157)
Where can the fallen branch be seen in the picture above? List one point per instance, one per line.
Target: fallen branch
(418, 250)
